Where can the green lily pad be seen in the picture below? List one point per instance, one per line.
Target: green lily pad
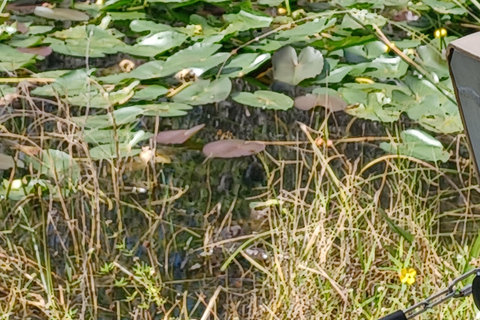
(245, 21)
(155, 44)
(445, 7)
(56, 164)
(86, 40)
(374, 106)
(165, 109)
(129, 15)
(150, 93)
(289, 68)
(204, 91)
(11, 59)
(307, 29)
(147, 25)
(62, 14)
(70, 84)
(122, 116)
(109, 151)
(244, 63)
(433, 61)
(417, 144)
(199, 57)
(265, 100)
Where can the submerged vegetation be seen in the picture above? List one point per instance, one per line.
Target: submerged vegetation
(184, 159)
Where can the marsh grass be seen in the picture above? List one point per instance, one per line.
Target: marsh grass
(326, 241)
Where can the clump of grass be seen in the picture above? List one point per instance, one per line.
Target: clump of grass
(339, 240)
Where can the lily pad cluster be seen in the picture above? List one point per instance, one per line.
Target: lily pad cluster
(334, 56)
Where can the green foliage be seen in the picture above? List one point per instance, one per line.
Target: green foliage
(417, 144)
(265, 100)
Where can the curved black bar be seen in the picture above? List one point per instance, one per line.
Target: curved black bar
(476, 291)
(399, 315)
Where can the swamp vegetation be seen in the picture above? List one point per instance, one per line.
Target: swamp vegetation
(261, 159)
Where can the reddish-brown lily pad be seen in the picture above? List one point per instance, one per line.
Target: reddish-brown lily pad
(232, 148)
(177, 136)
(41, 51)
(329, 101)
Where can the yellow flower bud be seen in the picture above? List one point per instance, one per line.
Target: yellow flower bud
(282, 11)
(364, 80)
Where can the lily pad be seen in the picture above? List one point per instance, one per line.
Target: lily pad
(56, 164)
(109, 151)
(6, 162)
(244, 63)
(104, 136)
(89, 40)
(164, 109)
(155, 44)
(325, 97)
(417, 144)
(177, 136)
(121, 116)
(289, 68)
(205, 91)
(232, 148)
(150, 93)
(265, 100)
(60, 14)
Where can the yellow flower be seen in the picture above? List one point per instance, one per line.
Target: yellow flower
(389, 47)
(197, 29)
(282, 11)
(440, 33)
(408, 276)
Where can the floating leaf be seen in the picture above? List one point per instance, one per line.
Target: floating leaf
(98, 136)
(433, 61)
(177, 136)
(204, 91)
(232, 148)
(306, 102)
(265, 100)
(41, 51)
(6, 162)
(148, 25)
(289, 68)
(94, 42)
(307, 29)
(199, 56)
(60, 14)
(244, 21)
(417, 144)
(165, 109)
(244, 63)
(155, 44)
(383, 68)
(121, 116)
(150, 93)
(109, 151)
(56, 164)
(325, 97)
(11, 59)
(72, 83)
(129, 15)
(445, 7)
